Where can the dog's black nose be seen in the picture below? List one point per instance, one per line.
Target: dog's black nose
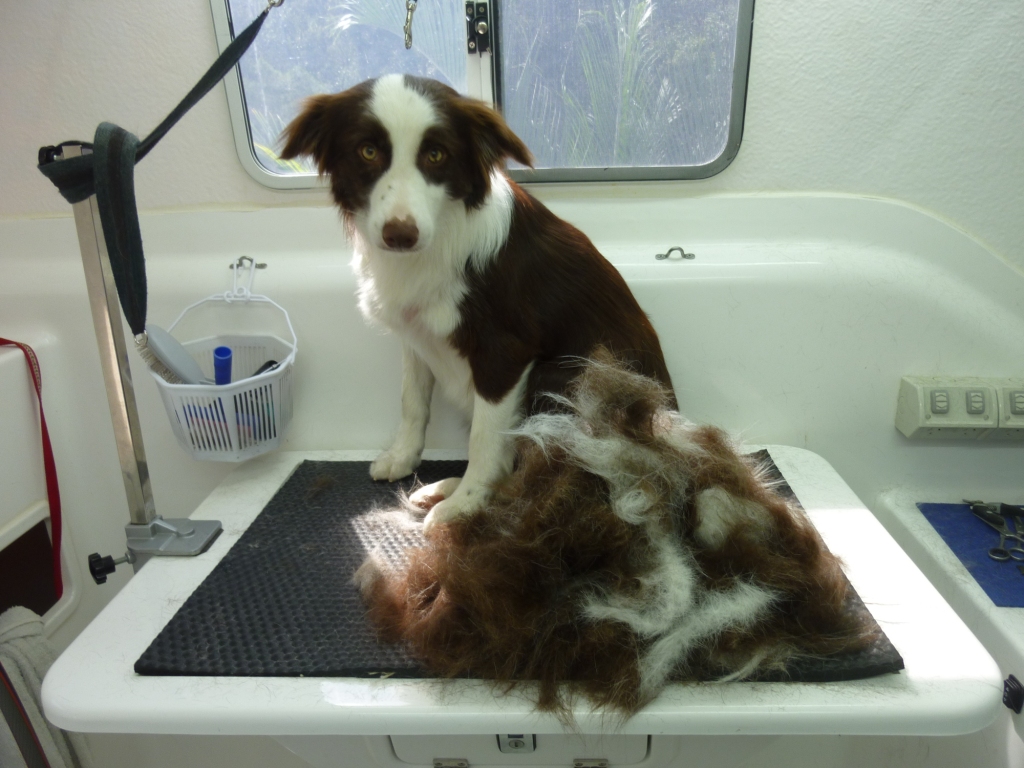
(400, 234)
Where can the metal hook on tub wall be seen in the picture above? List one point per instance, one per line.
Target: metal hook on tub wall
(682, 253)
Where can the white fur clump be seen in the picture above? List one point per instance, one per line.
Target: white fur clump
(672, 610)
(719, 513)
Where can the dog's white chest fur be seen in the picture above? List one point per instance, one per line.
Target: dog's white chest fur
(409, 295)
(417, 293)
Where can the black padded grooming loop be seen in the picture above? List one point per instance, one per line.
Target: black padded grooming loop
(109, 172)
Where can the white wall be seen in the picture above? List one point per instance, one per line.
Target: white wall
(917, 100)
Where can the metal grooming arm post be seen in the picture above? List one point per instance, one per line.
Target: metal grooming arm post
(148, 534)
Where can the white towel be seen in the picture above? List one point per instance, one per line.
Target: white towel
(10, 753)
(26, 656)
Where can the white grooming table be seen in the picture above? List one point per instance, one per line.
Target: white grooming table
(950, 685)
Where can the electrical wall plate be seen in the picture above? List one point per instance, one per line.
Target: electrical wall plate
(960, 407)
(1011, 411)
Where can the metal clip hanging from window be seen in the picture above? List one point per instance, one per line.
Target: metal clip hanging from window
(410, 9)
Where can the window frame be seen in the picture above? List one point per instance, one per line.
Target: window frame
(238, 113)
(240, 128)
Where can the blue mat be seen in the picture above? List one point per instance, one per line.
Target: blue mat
(970, 539)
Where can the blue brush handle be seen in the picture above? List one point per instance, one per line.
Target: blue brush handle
(222, 365)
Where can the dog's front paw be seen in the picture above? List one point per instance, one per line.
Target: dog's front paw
(392, 465)
(431, 495)
(458, 505)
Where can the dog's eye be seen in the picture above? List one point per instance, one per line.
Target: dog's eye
(435, 156)
(368, 152)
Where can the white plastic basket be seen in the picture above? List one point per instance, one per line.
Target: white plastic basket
(249, 416)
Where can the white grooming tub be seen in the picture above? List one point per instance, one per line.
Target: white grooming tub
(793, 325)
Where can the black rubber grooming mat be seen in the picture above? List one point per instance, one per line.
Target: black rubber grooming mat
(282, 604)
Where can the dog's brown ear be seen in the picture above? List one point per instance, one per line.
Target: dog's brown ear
(493, 139)
(309, 133)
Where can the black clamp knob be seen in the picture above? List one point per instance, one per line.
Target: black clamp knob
(102, 566)
(1013, 694)
(48, 155)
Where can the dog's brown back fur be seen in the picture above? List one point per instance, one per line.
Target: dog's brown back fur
(552, 299)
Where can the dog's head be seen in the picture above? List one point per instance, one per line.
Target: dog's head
(399, 152)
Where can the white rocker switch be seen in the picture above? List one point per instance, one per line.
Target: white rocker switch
(1011, 411)
(975, 402)
(940, 401)
(1017, 402)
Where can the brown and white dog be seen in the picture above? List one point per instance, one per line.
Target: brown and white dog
(496, 299)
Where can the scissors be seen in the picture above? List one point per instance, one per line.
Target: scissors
(1000, 522)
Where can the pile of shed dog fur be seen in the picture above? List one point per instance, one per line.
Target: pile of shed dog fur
(628, 549)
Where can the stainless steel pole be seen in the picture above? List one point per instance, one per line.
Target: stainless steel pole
(117, 375)
(148, 533)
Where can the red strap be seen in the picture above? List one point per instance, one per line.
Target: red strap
(52, 489)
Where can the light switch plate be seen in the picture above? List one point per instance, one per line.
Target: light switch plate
(946, 407)
(1011, 417)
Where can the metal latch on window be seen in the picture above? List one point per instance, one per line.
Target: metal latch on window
(478, 28)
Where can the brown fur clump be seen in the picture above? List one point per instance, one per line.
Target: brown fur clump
(628, 549)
